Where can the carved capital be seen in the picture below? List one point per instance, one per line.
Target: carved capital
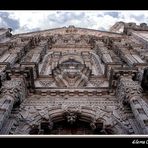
(127, 88)
(15, 88)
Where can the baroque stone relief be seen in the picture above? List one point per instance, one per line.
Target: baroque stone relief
(15, 88)
(47, 83)
(77, 63)
(70, 111)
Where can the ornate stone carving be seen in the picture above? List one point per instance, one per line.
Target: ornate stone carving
(73, 75)
(127, 88)
(13, 91)
(95, 83)
(131, 92)
(15, 88)
(47, 83)
(71, 117)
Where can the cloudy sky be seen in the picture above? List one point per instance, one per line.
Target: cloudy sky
(26, 21)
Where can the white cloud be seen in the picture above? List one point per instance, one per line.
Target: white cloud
(40, 20)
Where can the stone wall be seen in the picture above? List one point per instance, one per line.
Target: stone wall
(74, 75)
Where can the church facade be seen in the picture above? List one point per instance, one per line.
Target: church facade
(74, 81)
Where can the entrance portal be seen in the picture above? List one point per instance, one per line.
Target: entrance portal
(77, 128)
(65, 128)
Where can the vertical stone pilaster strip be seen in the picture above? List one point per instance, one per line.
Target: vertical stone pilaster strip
(12, 91)
(131, 92)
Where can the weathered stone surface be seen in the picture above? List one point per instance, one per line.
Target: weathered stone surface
(74, 81)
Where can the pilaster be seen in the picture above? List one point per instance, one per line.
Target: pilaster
(130, 92)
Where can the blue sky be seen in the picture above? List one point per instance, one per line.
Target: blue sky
(26, 21)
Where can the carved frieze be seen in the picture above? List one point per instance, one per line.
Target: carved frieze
(47, 83)
(96, 114)
(127, 88)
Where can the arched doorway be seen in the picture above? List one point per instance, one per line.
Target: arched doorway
(72, 121)
(65, 128)
(77, 128)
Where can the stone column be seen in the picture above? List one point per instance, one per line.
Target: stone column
(12, 92)
(6, 104)
(129, 91)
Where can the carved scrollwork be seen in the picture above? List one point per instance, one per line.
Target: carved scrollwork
(128, 88)
(15, 88)
(96, 82)
(47, 83)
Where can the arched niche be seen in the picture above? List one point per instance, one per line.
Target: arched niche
(71, 121)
